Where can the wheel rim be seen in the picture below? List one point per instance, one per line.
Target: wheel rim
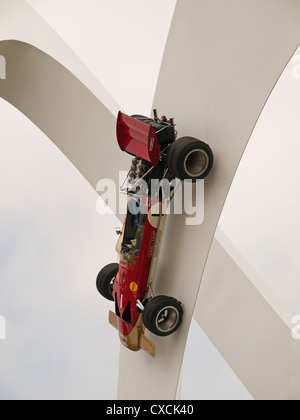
(167, 319)
(196, 163)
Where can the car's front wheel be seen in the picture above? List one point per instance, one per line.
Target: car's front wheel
(106, 279)
(190, 158)
(162, 315)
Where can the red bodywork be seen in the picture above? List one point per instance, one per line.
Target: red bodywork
(132, 280)
(137, 138)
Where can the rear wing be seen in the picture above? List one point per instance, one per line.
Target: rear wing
(137, 138)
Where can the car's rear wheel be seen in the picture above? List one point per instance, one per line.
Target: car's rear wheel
(106, 279)
(162, 315)
(190, 158)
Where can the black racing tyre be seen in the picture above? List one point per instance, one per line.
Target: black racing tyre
(106, 279)
(190, 158)
(162, 315)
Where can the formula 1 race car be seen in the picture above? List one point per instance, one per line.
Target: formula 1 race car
(157, 155)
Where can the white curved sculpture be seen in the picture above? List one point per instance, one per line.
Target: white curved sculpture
(221, 63)
(214, 80)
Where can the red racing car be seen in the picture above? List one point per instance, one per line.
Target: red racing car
(157, 155)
